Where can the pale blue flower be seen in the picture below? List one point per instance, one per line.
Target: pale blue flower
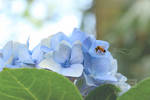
(14, 55)
(17, 55)
(100, 67)
(64, 54)
(36, 54)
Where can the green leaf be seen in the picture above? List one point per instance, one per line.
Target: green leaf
(141, 91)
(36, 84)
(104, 92)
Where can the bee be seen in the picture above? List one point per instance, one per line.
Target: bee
(100, 48)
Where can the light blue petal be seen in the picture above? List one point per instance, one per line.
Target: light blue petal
(50, 64)
(9, 61)
(89, 80)
(120, 77)
(21, 52)
(93, 81)
(1, 68)
(7, 50)
(75, 70)
(37, 54)
(18, 65)
(63, 52)
(57, 38)
(87, 43)
(16, 48)
(87, 63)
(76, 53)
(114, 67)
(45, 49)
(48, 55)
(98, 66)
(1, 64)
(12, 66)
(77, 35)
(106, 77)
(46, 42)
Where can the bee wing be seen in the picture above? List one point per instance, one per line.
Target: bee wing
(104, 47)
(121, 51)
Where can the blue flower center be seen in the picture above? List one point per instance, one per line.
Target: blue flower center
(14, 61)
(66, 64)
(35, 61)
(86, 71)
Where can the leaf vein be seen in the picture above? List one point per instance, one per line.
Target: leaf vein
(22, 85)
(63, 95)
(10, 96)
(48, 98)
(32, 83)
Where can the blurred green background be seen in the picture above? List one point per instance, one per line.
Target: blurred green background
(123, 23)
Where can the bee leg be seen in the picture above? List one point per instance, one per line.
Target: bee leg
(100, 52)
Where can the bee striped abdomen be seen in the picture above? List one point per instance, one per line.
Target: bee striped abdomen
(99, 48)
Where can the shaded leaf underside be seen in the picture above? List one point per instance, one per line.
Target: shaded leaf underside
(104, 92)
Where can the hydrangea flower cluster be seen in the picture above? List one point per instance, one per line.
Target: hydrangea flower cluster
(75, 56)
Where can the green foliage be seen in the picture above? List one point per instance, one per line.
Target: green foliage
(35, 84)
(140, 92)
(104, 92)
